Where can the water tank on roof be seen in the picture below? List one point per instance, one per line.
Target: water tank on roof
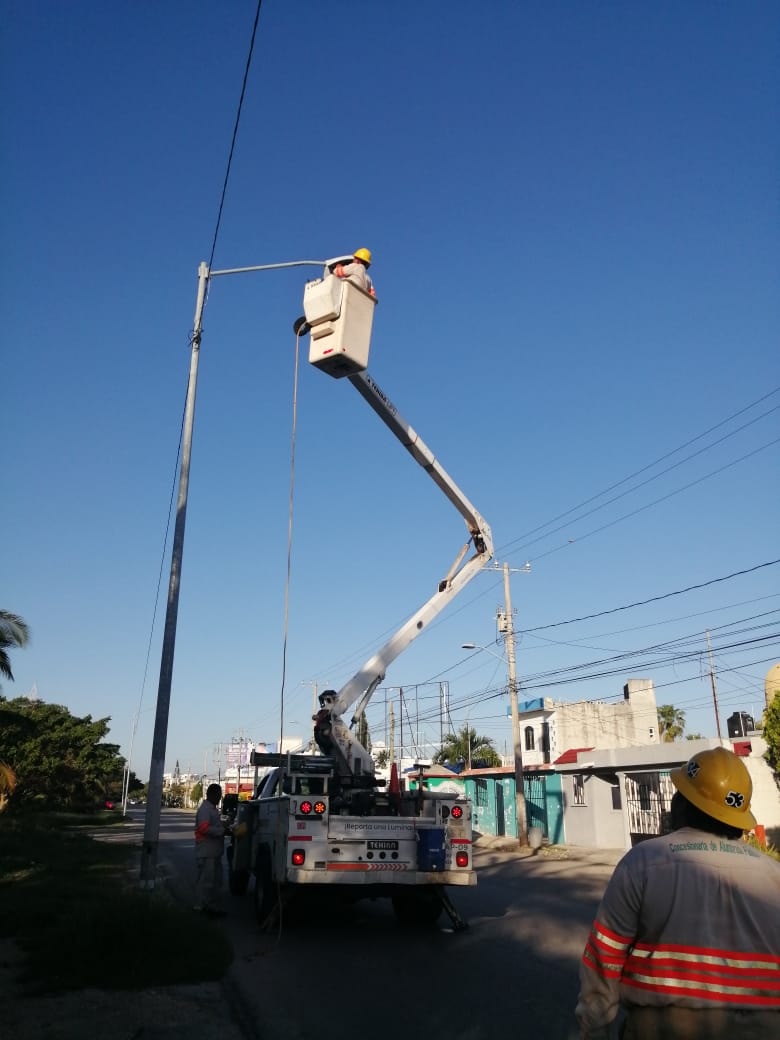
(740, 724)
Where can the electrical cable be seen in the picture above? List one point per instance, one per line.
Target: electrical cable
(650, 465)
(235, 135)
(653, 599)
(657, 501)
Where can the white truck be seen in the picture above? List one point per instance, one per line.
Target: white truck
(325, 821)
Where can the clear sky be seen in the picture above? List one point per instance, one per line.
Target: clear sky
(572, 209)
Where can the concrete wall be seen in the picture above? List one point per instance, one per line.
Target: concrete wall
(597, 724)
(596, 824)
(765, 802)
(631, 722)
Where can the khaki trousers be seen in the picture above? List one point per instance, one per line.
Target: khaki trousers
(676, 1023)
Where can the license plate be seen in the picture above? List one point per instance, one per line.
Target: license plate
(376, 845)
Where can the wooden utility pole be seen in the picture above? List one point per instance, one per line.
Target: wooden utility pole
(712, 681)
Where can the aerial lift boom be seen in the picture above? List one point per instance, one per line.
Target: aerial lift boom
(331, 307)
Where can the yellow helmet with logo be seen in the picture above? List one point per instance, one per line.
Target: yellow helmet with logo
(718, 783)
(364, 255)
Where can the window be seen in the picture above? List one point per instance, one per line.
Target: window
(616, 803)
(645, 792)
(480, 790)
(579, 788)
(529, 738)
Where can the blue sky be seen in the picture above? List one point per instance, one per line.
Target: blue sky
(573, 214)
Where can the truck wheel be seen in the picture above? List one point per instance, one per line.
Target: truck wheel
(265, 889)
(417, 906)
(238, 880)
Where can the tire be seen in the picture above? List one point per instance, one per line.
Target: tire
(417, 906)
(238, 880)
(265, 896)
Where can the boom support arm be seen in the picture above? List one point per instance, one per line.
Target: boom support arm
(362, 685)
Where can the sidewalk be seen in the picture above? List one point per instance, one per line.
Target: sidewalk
(199, 1011)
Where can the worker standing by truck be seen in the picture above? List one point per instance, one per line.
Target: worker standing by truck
(210, 833)
(686, 937)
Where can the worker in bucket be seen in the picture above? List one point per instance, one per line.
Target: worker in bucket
(686, 938)
(357, 271)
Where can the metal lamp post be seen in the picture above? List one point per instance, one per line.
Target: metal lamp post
(151, 837)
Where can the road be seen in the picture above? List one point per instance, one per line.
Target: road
(355, 972)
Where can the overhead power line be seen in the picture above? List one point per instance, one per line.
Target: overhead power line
(235, 134)
(644, 469)
(653, 599)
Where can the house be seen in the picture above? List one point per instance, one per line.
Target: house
(618, 797)
(492, 793)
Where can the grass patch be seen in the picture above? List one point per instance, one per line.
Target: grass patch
(72, 904)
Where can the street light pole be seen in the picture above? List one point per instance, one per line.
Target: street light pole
(151, 839)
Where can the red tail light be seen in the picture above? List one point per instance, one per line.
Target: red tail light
(457, 812)
(298, 856)
(306, 808)
(462, 859)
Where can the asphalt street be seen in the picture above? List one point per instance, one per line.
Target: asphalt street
(346, 969)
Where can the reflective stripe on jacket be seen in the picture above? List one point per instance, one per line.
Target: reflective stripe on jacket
(687, 920)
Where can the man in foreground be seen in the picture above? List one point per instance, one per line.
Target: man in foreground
(687, 936)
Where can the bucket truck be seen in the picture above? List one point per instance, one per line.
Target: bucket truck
(326, 820)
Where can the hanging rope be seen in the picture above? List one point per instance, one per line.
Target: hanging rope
(289, 538)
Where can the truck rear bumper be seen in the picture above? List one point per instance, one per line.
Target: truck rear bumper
(367, 874)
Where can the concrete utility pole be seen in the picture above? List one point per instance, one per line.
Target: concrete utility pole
(391, 738)
(520, 807)
(154, 800)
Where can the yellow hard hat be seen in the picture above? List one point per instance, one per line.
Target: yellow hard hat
(364, 255)
(718, 783)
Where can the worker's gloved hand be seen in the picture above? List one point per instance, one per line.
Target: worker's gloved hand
(338, 270)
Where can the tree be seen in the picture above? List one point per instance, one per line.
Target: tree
(7, 784)
(671, 723)
(468, 747)
(13, 632)
(59, 760)
(772, 732)
(694, 736)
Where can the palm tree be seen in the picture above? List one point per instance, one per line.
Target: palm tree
(13, 632)
(467, 746)
(671, 723)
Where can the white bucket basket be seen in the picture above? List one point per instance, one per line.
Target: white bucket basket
(341, 315)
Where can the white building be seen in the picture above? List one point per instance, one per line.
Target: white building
(548, 728)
